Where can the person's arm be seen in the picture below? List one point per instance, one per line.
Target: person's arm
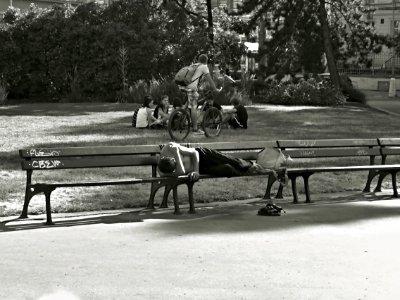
(211, 82)
(150, 118)
(194, 156)
(229, 110)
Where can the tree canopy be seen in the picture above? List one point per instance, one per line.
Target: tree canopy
(303, 31)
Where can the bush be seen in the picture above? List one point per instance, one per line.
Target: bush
(156, 88)
(3, 91)
(307, 92)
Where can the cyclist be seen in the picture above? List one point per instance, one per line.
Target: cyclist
(192, 89)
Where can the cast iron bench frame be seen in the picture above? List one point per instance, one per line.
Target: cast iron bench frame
(45, 159)
(336, 148)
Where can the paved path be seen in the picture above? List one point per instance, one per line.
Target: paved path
(381, 101)
(321, 251)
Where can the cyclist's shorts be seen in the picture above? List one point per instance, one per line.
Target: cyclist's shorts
(193, 96)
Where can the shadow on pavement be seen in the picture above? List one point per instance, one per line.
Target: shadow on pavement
(227, 218)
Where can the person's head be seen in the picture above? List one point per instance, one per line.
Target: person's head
(203, 59)
(235, 101)
(164, 101)
(148, 101)
(167, 164)
(177, 103)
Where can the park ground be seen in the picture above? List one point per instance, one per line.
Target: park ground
(343, 246)
(99, 124)
(340, 250)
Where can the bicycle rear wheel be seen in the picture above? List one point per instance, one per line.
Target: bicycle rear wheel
(179, 124)
(212, 122)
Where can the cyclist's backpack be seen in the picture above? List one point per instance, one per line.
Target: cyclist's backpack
(185, 75)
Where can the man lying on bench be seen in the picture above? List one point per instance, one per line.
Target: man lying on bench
(176, 160)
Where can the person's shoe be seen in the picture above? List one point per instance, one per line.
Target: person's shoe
(198, 132)
(271, 210)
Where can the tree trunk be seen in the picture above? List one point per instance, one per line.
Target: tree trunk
(210, 23)
(330, 57)
(210, 35)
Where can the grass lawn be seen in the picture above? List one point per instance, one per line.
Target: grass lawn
(58, 125)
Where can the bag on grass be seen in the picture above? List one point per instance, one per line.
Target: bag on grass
(272, 158)
(185, 75)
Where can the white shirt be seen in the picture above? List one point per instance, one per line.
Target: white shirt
(201, 70)
(141, 119)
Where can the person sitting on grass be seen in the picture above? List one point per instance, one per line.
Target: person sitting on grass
(176, 160)
(177, 103)
(237, 117)
(161, 112)
(143, 116)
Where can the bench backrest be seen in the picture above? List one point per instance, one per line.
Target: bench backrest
(120, 156)
(390, 146)
(329, 148)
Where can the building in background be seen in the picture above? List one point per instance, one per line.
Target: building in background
(24, 4)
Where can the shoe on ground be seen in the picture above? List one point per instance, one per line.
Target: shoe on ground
(271, 210)
(198, 132)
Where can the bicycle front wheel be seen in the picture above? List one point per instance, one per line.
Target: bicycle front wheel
(212, 122)
(179, 124)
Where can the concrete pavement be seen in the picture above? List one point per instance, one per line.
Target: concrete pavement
(381, 101)
(320, 251)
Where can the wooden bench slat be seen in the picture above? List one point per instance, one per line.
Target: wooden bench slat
(226, 146)
(89, 151)
(324, 152)
(390, 150)
(87, 162)
(136, 150)
(328, 143)
(389, 141)
(344, 169)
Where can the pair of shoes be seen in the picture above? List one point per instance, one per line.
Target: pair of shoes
(198, 132)
(271, 210)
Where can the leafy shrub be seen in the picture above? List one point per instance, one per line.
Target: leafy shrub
(307, 92)
(3, 91)
(155, 88)
(355, 95)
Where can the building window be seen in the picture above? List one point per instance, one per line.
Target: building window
(382, 21)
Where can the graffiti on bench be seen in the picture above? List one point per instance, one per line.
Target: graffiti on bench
(362, 152)
(46, 164)
(43, 152)
(307, 153)
(307, 143)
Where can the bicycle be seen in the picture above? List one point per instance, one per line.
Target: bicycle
(180, 121)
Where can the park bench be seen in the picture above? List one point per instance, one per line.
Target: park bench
(390, 147)
(51, 159)
(319, 152)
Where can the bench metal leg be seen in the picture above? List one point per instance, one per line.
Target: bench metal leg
(28, 195)
(279, 194)
(47, 193)
(176, 201)
(191, 199)
(394, 184)
(382, 176)
(271, 180)
(155, 186)
(294, 189)
(371, 176)
(307, 187)
(164, 203)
